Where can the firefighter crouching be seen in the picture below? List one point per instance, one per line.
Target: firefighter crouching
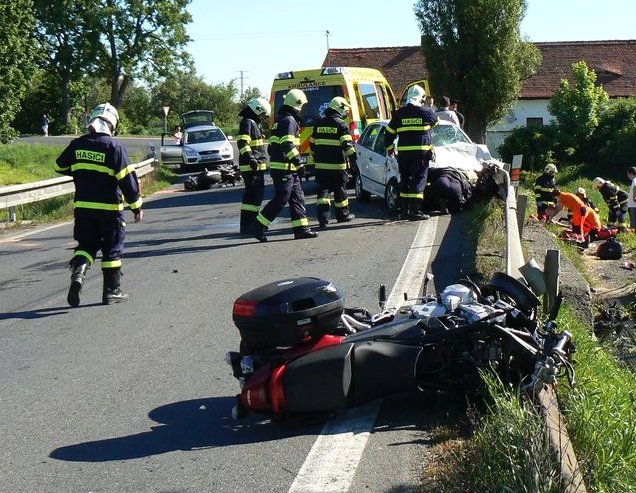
(543, 190)
(332, 146)
(284, 168)
(101, 172)
(252, 158)
(616, 200)
(412, 124)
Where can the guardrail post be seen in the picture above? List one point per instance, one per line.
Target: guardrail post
(522, 202)
(12, 215)
(551, 269)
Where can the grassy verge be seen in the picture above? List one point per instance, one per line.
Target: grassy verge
(25, 163)
(507, 449)
(61, 208)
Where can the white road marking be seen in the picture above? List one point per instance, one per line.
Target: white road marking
(18, 237)
(331, 463)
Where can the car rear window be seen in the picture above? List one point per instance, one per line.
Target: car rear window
(318, 99)
(202, 136)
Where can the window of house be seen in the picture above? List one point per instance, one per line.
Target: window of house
(534, 122)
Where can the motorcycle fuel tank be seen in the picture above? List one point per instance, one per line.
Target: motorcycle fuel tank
(287, 312)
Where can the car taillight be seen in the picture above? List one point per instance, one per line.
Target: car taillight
(355, 131)
(244, 308)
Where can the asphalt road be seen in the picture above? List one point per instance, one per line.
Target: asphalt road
(136, 397)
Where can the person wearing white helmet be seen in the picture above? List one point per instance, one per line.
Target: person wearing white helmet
(616, 200)
(103, 178)
(252, 158)
(412, 124)
(332, 147)
(544, 186)
(286, 169)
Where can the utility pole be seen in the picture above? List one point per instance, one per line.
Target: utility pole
(327, 34)
(242, 77)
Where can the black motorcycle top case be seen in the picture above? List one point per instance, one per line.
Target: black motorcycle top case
(287, 312)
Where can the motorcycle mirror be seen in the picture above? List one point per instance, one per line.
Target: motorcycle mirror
(382, 295)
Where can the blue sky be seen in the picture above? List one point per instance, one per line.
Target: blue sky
(256, 39)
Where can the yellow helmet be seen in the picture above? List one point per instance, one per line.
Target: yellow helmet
(340, 106)
(295, 98)
(260, 106)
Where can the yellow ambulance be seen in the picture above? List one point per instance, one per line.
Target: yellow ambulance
(366, 89)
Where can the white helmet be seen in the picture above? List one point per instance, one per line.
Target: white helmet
(550, 169)
(415, 95)
(105, 112)
(340, 106)
(295, 98)
(260, 106)
(598, 182)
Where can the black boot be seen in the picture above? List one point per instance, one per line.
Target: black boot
(345, 219)
(257, 230)
(112, 292)
(305, 234)
(77, 281)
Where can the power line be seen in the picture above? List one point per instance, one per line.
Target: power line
(258, 35)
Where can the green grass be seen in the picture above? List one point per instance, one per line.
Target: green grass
(507, 451)
(25, 163)
(601, 413)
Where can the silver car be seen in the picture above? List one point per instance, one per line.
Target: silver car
(377, 174)
(203, 145)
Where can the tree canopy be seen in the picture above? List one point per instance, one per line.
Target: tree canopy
(18, 56)
(474, 53)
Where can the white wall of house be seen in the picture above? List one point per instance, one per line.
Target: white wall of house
(518, 116)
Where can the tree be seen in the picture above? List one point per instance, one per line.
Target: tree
(577, 109)
(185, 91)
(66, 31)
(142, 39)
(474, 53)
(18, 57)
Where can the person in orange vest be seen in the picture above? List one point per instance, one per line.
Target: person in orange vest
(585, 220)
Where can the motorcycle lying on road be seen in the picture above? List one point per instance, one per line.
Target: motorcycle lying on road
(302, 351)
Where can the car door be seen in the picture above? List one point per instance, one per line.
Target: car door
(170, 152)
(370, 164)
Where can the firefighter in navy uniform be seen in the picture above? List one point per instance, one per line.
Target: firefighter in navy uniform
(101, 173)
(333, 151)
(252, 158)
(616, 200)
(544, 186)
(412, 123)
(286, 170)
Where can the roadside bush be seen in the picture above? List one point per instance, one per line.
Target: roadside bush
(613, 144)
(539, 146)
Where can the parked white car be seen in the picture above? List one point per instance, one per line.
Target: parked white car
(378, 174)
(203, 145)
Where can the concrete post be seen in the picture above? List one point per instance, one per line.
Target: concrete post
(551, 269)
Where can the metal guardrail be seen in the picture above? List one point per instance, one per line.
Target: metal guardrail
(570, 475)
(26, 193)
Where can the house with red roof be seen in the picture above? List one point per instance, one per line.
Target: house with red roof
(613, 61)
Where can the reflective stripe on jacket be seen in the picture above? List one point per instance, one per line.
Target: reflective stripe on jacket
(251, 145)
(101, 173)
(331, 143)
(285, 142)
(412, 124)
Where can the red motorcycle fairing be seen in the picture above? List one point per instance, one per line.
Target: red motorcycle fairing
(264, 389)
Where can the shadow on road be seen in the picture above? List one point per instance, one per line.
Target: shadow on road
(185, 425)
